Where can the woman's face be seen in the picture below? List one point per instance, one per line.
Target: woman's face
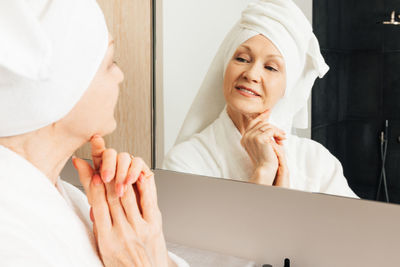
(255, 78)
(94, 113)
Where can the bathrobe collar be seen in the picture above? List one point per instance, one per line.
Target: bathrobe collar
(46, 214)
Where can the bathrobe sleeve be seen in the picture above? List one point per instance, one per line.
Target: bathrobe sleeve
(335, 183)
(194, 157)
(323, 169)
(178, 261)
(18, 253)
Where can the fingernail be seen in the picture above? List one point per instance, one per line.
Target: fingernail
(119, 189)
(91, 215)
(106, 175)
(129, 180)
(97, 179)
(95, 136)
(73, 162)
(141, 177)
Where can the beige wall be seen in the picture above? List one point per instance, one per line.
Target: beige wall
(129, 21)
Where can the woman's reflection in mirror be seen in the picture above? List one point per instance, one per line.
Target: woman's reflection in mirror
(255, 93)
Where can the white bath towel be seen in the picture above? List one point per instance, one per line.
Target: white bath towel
(50, 51)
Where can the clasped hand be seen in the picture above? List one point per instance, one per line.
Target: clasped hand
(126, 219)
(264, 144)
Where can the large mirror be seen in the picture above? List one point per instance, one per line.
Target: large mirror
(272, 120)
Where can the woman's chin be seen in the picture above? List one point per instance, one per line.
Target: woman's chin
(113, 126)
(245, 108)
(109, 127)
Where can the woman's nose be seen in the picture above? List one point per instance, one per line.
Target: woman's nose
(253, 74)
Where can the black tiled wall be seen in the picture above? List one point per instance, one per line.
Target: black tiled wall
(361, 90)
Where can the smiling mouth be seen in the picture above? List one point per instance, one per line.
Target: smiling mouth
(246, 90)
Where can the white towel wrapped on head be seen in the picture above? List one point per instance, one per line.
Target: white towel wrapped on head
(49, 54)
(285, 25)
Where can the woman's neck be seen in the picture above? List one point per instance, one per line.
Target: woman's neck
(240, 120)
(44, 149)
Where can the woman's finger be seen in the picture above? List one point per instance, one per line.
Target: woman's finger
(148, 198)
(98, 146)
(280, 154)
(123, 164)
(85, 172)
(278, 132)
(263, 117)
(91, 215)
(266, 136)
(261, 137)
(115, 205)
(273, 131)
(108, 165)
(131, 208)
(137, 167)
(96, 237)
(95, 230)
(282, 174)
(101, 212)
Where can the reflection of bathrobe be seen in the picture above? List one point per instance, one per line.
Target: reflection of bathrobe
(42, 224)
(217, 151)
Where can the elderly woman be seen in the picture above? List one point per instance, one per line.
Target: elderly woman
(254, 93)
(58, 89)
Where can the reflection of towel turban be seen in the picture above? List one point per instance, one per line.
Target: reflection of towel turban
(50, 51)
(282, 22)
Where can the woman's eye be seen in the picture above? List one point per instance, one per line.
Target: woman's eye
(240, 59)
(270, 68)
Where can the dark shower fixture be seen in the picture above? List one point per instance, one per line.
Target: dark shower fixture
(384, 143)
(392, 20)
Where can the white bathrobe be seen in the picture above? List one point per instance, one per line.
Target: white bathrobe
(42, 224)
(217, 152)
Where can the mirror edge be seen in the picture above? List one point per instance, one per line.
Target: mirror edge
(157, 131)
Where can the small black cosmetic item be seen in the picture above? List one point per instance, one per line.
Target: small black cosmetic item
(286, 263)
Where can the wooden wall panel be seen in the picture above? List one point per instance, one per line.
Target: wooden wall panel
(129, 21)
